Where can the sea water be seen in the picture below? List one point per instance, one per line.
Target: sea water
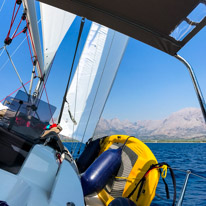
(182, 156)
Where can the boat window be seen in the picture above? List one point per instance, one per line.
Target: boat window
(26, 118)
(190, 22)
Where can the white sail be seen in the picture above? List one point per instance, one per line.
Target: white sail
(55, 24)
(29, 5)
(92, 81)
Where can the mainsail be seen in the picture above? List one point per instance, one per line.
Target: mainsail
(92, 81)
(95, 72)
(53, 33)
(55, 24)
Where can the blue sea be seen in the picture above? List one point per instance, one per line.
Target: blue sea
(182, 156)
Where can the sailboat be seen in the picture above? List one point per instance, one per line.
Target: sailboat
(36, 168)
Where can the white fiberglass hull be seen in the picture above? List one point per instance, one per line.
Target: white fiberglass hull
(42, 181)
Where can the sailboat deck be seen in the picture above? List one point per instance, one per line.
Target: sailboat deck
(13, 151)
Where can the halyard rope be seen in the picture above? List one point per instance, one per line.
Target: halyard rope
(2, 5)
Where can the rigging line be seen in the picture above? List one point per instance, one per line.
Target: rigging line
(34, 50)
(79, 54)
(47, 75)
(14, 34)
(16, 71)
(23, 31)
(76, 94)
(91, 69)
(200, 176)
(13, 17)
(29, 48)
(33, 61)
(15, 91)
(185, 171)
(33, 46)
(2, 48)
(67, 87)
(16, 14)
(45, 90)
(2, 53)
(2, 5)
(6, 62)
(96, 92)
(46, 78)
(73, 148)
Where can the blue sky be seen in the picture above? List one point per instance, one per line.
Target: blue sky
(154, 84)
(149, 85)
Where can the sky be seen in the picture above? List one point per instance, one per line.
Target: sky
(149, 85)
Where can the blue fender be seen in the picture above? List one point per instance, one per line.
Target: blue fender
(101, 170)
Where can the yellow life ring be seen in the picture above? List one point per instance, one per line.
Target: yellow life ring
(136, 160)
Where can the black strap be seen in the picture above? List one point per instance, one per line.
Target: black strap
(166, 189)
(173, 181)
(143, 179)
(174, 184)
(140, 188)
(67, 87)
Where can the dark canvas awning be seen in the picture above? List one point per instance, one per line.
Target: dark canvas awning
(150, 21)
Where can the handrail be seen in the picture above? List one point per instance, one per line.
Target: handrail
(188, 173)
(179, 203)
(196, 85)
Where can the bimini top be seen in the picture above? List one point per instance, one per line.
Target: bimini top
(165, 25)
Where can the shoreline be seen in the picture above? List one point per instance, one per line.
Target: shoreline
(173, 142)
(153, 142)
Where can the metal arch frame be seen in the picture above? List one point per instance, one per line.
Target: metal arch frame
(180, 201)
(195, 84)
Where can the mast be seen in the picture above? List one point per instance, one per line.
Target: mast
(29, 6)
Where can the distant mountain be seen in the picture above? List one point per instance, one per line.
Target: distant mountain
(187, 123)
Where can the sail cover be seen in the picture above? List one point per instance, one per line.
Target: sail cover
(151, 22)
(55, 24)
(92, 81)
